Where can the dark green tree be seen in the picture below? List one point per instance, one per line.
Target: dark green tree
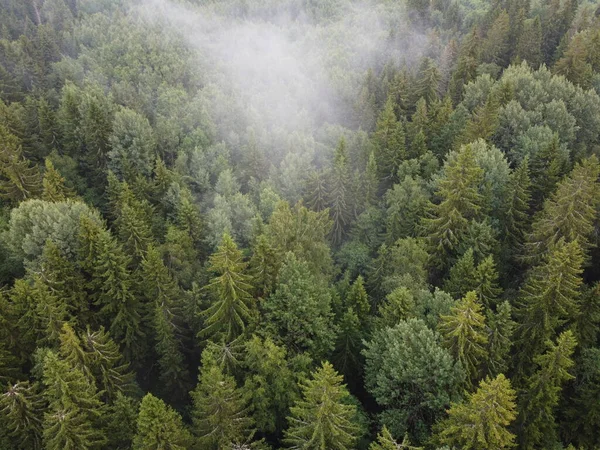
(21, 410)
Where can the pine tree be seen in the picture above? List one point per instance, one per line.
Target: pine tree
(464, 333)
(121, 422)
(53, 185)
(51, 311)
(536, 423)
(163, 295)
(22, 409)
(547, 168)
(321, 420)
(385, 441)
(159, 427)
(398, 305)
(74, 409)
(390, 144)
(348, 346)
(466, 65)
(482, 421)
(232, 306)
(19, 180)
(220, 413)
(570, 212)
(460, 203)
(264, 266)
(529, 45)
(339, 200)
(358, 299)
(549, 298)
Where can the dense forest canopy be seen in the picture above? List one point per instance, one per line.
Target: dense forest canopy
(304, 224)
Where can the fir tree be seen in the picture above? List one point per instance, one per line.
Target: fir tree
(159, 427)
(318, 193)
(232, 307)
(464, 333)
(482, 421)
(322, 420)
(500, 327)
(462, 277)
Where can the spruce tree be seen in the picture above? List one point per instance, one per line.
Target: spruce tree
(460, 203)
(339, 201)
(159, 427)
(464, 334)
(165, 316)
(500, 328)
(74, 409)
(540, 397)
(112, 283)
(482, 421)
(53, 184)
(462, 276)
(390, 143)
(570, 212)
(318, 193)
(232, 305)
(19, 180)
(21, 408)
(322, 419)
(549, 298)
(220, 413)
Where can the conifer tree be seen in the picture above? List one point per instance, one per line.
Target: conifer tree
(370, 182)
(318, 193)
(549, 298)
(232, 306)
(64, 281)
(482, 421)
(159, 427)
(358, 299)
(462, 276)
(264, 266)
(538, 401)
(486, 277)
(112, 285)
(385, 441)
(529, 44)
(516, 218)
(19, 180)
(21, 408)
(163, 297)
(464, 333)
(460, 203)
(220, 413)
(348, 346)
(390, 143)
(51, 311)
(322, 420)
(569, 213)
(500, 327)
(428, 81)
(74, 409)
(53, 185)
(398, 305)
(339, 194)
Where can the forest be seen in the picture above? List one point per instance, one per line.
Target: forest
(299, 224)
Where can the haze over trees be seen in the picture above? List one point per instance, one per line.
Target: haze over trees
(297, 224)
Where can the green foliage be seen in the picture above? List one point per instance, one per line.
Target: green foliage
(390, 142)
(482, 421)
(464, 334)
(74, 409)
(232, 305)
(322, 420)
(21, 408)
(537, 403)
(385, 441)
(159, 427)
(220, 414)
(411, 376)
(298, 314)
